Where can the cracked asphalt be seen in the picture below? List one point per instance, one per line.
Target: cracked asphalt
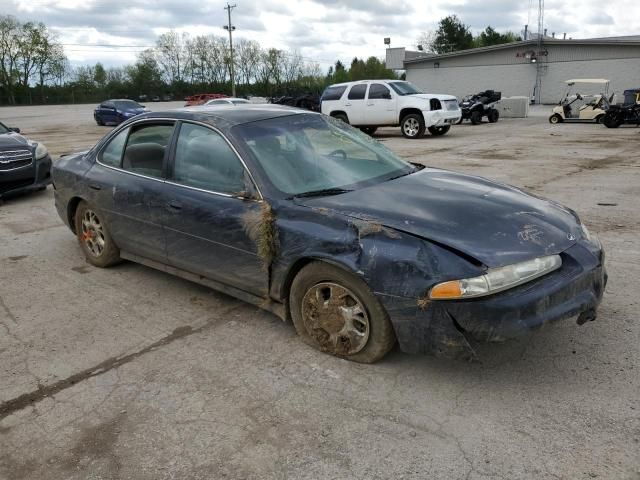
(130, 373)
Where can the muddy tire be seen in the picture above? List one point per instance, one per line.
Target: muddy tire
(412, 125)
(335, 312)
(93, 236)
(438, 131)
(341, 116)
(493, 116)
(476, 118)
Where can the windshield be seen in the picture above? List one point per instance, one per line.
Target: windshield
(314, 153)
(239, 102)
(404, 88)
(3, 129)
(127, 105)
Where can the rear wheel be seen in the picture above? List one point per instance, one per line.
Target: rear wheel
(612, 121)
(555, 118)
(437, 131)
(493, 115)
(412, 126)
(476, 117)
(341, 116)
(94, 238)
(335, 312)
(369, 130)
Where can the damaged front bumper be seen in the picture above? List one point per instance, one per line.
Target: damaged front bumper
(448, 328)
(440, 118)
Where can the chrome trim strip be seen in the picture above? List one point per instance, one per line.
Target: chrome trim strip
(163, 119)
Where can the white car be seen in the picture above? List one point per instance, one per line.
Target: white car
(369, 104)
(228, 101)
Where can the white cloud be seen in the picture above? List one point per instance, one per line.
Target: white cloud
(323, 30)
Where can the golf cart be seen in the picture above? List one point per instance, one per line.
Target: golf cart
(482, 104)
(582, 108)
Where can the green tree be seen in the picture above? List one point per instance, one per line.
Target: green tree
(99, 75)
(490, 37)
(452, 35)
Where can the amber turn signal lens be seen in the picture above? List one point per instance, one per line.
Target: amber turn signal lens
(446, 290)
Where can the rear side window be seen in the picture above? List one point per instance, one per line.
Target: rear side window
(112, 154)
(146, 147)
(377, 90)
(333, 93)
(357, 91)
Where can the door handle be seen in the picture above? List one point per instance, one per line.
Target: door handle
(174, 206)
(95, 186)
(347, 104)
(370, 104)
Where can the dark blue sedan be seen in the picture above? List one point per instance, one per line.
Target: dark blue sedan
(317, 222)
(114, 112)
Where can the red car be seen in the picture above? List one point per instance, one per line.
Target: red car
(202, 98)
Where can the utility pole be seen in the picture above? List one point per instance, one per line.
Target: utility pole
(231, 28)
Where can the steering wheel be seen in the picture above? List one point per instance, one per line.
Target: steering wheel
(339, 152)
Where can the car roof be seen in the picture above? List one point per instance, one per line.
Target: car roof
(225, 116)
(364, 81)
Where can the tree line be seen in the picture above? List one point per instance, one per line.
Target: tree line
(34, 69)
(452, 35)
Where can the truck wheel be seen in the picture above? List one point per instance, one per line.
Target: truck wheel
(438, 131)
(369, 130)
(493, 116)
(412, 126)
(476, 118)
(335, 312)
(555, 118)
(342, 117)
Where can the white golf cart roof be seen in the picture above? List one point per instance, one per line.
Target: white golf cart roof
(601, 81)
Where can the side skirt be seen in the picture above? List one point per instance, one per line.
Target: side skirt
(265, 303)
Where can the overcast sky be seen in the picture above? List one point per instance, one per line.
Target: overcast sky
(322, 30)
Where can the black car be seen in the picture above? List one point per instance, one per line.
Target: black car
(312, 219)
(24, 165)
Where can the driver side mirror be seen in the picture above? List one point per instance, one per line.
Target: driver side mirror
(14, 129)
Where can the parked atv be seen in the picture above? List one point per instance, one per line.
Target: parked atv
(482, 104)
(621, 114)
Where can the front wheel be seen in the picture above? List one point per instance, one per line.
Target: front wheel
(335, 312)
(93, 236)
(555, 118)
(412, 126)
(437, 131)
(493, 116)
(476, 118)
(611, 121)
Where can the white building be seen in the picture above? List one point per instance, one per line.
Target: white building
(515, 68)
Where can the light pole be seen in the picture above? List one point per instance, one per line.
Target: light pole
(231, 28)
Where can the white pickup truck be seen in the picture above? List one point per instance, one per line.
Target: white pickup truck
(369, 104)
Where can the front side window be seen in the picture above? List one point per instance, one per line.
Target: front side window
(205, 160)
(306, 153)
(112, 154)
(357, 91)
(146, 148)
(404, 88)
(377, 91)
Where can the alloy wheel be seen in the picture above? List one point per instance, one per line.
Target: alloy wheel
(92, 233)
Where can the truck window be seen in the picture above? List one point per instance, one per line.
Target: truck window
(357, 91)
(377, 90)
(333, 93)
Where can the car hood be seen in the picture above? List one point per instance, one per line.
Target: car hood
(13, 139)
(428, 96)
(493, 223)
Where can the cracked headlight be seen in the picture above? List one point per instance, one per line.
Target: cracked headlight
(496, 279)
(41, 151)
